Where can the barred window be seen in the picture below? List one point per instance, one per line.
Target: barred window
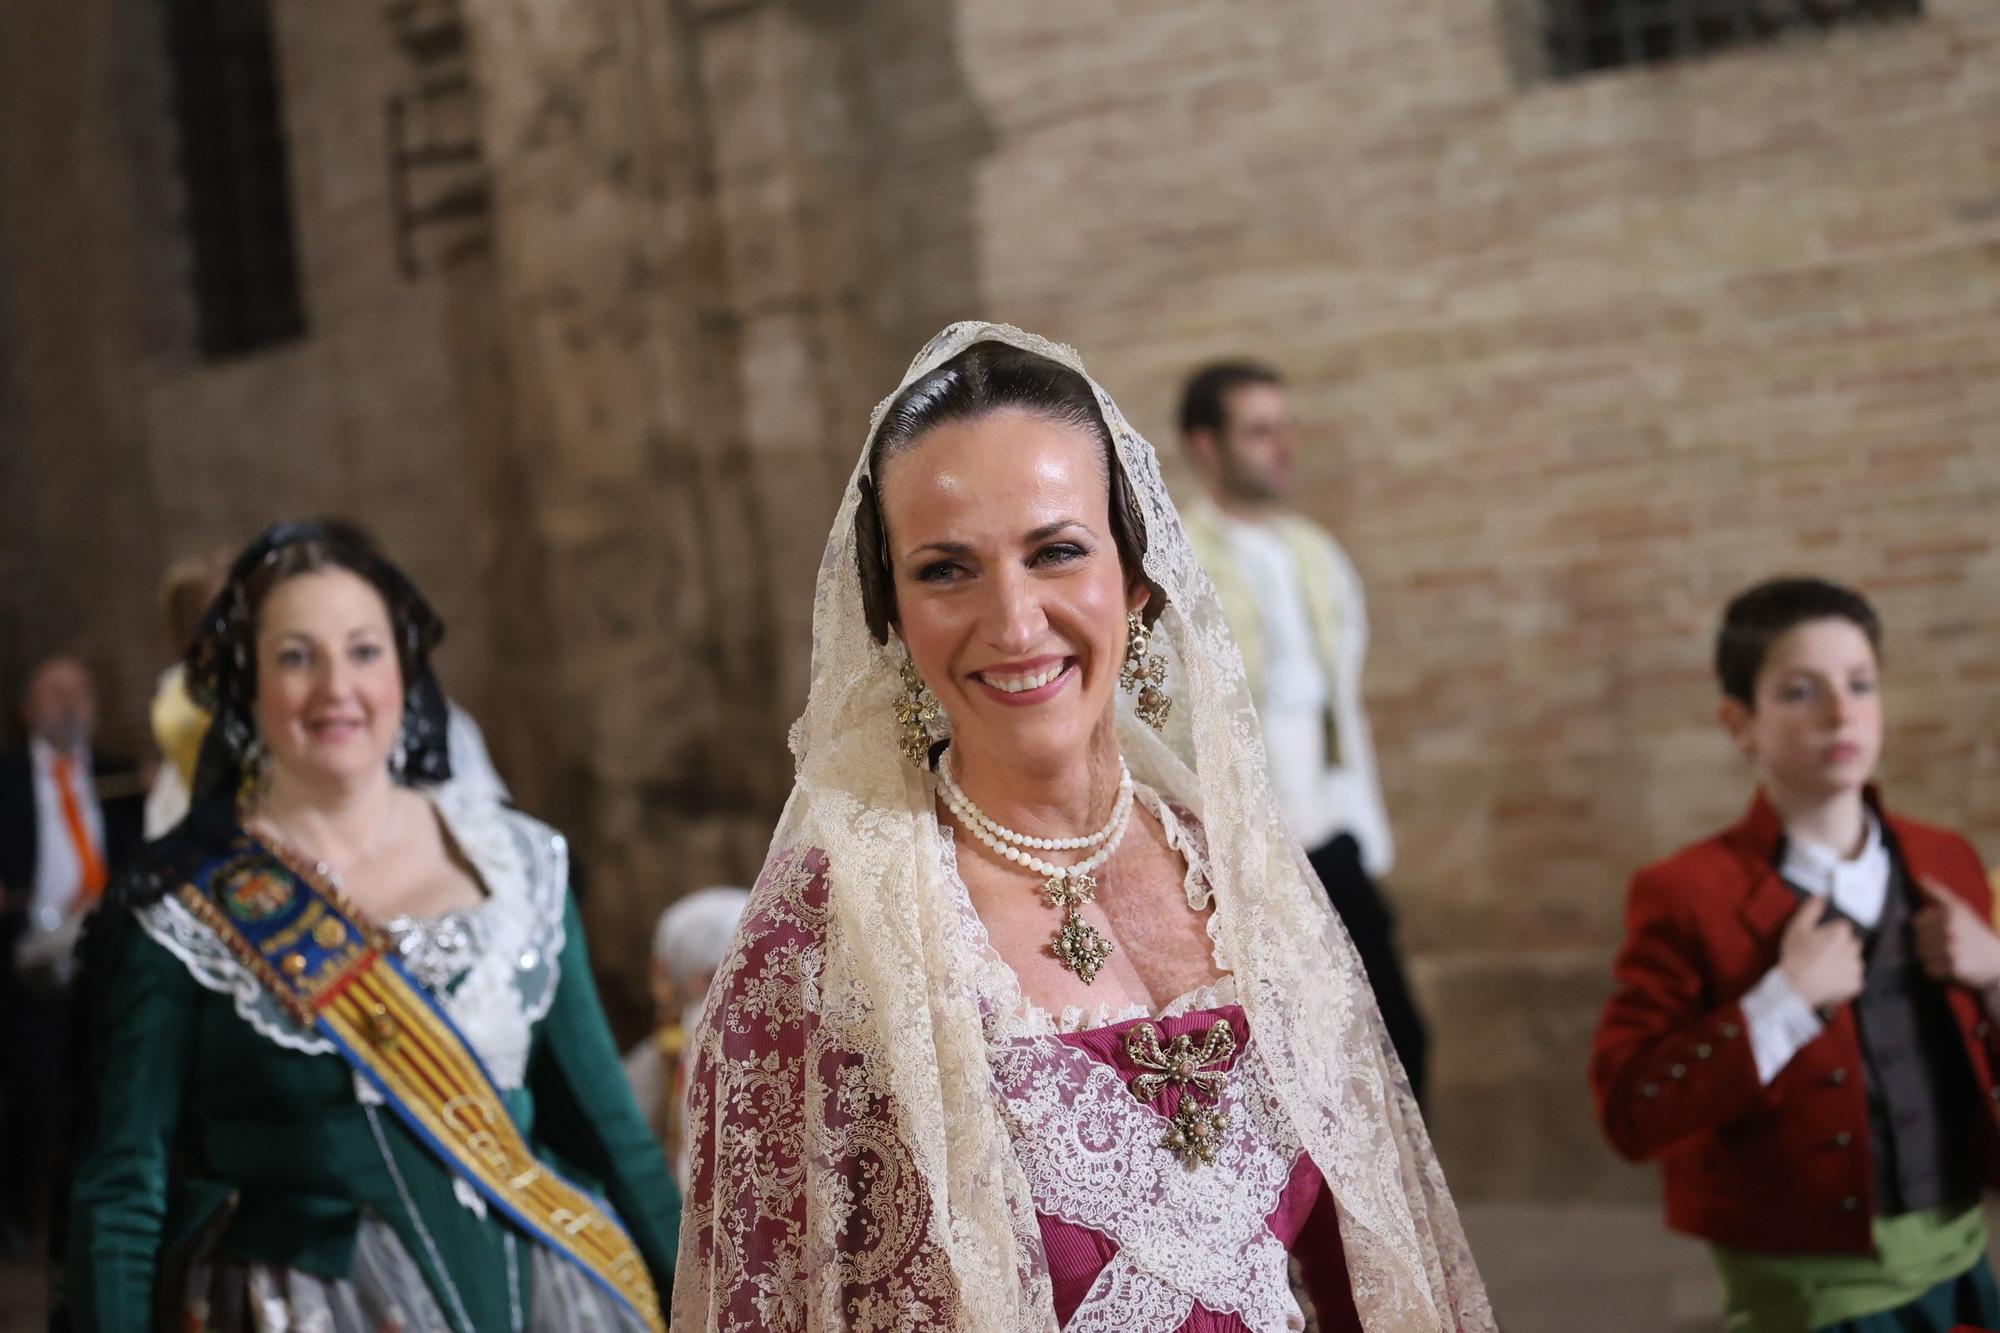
(1582, 36)
(233, 164)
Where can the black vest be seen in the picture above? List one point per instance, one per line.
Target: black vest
(1920, 1089)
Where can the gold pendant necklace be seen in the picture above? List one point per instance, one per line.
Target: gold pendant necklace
(1077, 945)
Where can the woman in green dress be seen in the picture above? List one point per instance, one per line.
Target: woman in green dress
(346, 1066)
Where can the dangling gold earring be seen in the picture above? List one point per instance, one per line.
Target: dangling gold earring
(252, 774)
(919, 715)
(1145, 673)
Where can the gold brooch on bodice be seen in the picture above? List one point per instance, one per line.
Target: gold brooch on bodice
(1194, 1131)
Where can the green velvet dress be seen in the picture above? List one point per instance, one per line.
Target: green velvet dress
(234, 1161)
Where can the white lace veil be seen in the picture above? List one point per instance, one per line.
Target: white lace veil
(852, 1165)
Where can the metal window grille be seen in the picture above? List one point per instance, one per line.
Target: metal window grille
(1583, 36)
(233, 163)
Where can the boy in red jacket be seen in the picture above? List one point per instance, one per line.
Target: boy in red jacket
(1802, 1029)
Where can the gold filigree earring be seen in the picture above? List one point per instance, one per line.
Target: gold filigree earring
(1145, 673)
(252, 773)
(917, 712)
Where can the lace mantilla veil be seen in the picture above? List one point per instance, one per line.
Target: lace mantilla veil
(851, 1165)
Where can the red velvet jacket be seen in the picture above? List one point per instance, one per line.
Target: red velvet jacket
(1786, 1168)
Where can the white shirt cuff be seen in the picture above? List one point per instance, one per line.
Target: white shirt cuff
(1780, 1024)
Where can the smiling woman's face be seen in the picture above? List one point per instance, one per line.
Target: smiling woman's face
(1009, 592)
(329, 687)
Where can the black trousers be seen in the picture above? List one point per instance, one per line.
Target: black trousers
(1372, 926)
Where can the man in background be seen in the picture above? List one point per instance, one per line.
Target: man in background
(1295, 606)
(69, 818)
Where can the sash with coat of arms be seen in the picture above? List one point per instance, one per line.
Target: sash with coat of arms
(336, 974)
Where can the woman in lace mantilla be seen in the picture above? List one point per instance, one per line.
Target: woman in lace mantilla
(1036, 1020)
(236, 1172)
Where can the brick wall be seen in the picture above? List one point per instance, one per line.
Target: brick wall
(1574, 362)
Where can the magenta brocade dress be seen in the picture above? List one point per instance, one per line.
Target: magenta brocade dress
(1169, 1184)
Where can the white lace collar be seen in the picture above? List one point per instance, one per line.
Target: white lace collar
(1011, 1014)
(524, 867)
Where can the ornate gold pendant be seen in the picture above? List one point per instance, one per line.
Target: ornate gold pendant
(1080, 946)
(1194, 1134)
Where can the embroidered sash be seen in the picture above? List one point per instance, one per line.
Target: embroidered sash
(337, 974)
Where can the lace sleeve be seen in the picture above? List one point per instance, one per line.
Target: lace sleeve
(803, 1209)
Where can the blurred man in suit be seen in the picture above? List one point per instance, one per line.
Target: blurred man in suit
(69, 817)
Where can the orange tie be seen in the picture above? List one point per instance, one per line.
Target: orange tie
(79, 832)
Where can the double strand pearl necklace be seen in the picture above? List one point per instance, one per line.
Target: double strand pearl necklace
(1078, 945)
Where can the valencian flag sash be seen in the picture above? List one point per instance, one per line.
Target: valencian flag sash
(337, 975)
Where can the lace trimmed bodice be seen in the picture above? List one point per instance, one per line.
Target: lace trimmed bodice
(1139, 1234)
(493, 967)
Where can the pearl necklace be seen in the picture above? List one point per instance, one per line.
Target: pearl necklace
(1078, 945)
(980, 819)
